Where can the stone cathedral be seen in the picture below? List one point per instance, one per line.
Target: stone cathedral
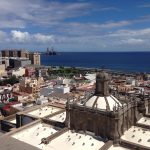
(103, 114)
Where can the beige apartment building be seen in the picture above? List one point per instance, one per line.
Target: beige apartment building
(2, 69)
(35, 58)
(30, 85)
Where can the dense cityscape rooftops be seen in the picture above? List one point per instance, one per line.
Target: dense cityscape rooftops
(42, 108)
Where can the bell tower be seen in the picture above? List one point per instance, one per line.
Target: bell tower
(102, 79)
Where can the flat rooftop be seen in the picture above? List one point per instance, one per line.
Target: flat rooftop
(9, 143)
(59, 117)
(74, 141)
(117, 148)
(137, 135)
(144, 121)
(33, 134)
(44, 111)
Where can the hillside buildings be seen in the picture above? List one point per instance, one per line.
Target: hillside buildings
(17, 72)
(41, 72)
(30, 85)
(29, 71)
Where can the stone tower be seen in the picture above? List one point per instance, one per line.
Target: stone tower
(102, 84)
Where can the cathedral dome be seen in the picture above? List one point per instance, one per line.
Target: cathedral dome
(103, 102)
(102, 99)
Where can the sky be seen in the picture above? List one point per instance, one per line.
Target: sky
(75, 25)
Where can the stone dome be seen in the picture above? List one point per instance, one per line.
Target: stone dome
(105, 103)
(102, 99)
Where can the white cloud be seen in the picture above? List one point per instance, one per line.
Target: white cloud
(131, 33)
(116, 40)
(116, 24)
(130, 39)
(81, 29)
(40, 38)
(20, 13)
(12, 23)
(109, 8)
(25, 37)
(133, 41)
(20, 37)
(23, 13)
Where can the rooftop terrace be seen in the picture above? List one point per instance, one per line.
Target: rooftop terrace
(144, 121)
(59, 117)
(44, 111)
(137, 135)
(74, 141)
(33, 134)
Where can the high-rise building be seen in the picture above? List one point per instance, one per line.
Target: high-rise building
(19, 62)
(5, 53)
(35, 58)
(15, 53)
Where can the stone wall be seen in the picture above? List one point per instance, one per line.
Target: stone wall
(109, 125)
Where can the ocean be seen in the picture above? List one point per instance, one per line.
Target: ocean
(119, 61)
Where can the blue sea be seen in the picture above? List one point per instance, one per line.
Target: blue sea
(119, 61)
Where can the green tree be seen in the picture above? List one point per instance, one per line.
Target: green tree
(12, 80)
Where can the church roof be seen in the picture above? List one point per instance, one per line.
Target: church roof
(106, 103)
(102, 99)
